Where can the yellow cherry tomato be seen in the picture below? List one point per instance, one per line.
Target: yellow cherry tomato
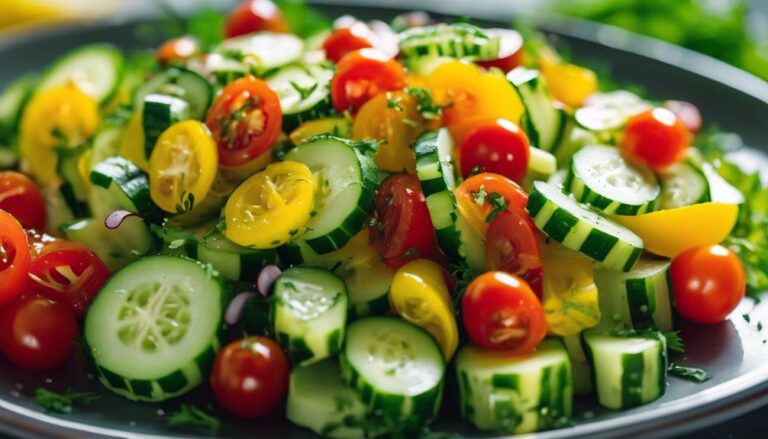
(269, 208)
(183, 166)
(132, 143)
(570, 297)
(473, 96)
(391, 118)
(338, 126)
(60, 116)
(569, 83)
(670, 232)
(420, 295)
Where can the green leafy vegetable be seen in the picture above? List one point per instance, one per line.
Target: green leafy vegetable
(302, 19)
(498, 204)
(62, 402)
(191, 416)
(425, 103)
(689, 373)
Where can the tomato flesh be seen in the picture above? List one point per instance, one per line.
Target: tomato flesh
(177, 49)
(21, 197)
(475, 194)
(656, 138)
(255, 16)
(14, 258)
(37, 333)
(511, 245)
(708, 282)
(361, 75)
(347, 39)
(497, 146)
(501, 312)
(250, 377)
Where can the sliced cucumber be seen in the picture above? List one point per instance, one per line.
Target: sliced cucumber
(152, 329)
(627, 371)
(96, 69)
(601, 177)
(119, 184)
(582, 371)
(423, 66)
(304, 92)
(346, 180)
(117, 247)
(309, 313)
(434, 164)
(106, 143)
(396, 368)
(73, 188)
(582, 228)
(515, 394)
(264, 50)
(639, 299)
(183, 84)
(12, 102)
(455, 40)
(683, 184)
(541, 163)
(232, 261)
(608, 113)
(720, 190)
(320, 401)
(160, 112)
(546, 124)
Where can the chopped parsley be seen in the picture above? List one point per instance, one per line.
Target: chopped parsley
(62, 402)
(425, 103)
(304, 92)
(498, 204)
(480, 196)
(395, 102)
(689, 373)
(190, 416)
(476, 170)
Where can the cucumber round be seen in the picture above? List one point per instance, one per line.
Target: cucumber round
(455, 40)
(304, 92)
(232, 261)
(265, 50)
(152, 330)
(96, 69)
(181, 83)
(683, 184)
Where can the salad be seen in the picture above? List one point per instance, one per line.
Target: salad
(338, 226)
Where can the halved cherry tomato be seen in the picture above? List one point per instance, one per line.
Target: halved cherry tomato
(21, 197)
(511, 51)
(68, 272)
(347, 39)
(245, 120)
(511, 246)
(361, 75)
(37, 333)
(497, 146)
(475, 197)
(656, 138)
(14, 258)
(708, 282)
(178, 49)
(37, 240)
(501, 312)
(250, 377)
(401, 230)
(255, 16)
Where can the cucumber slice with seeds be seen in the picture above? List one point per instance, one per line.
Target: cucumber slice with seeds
(264, 50)
(582, 228)
(601, 177)
(683, 184)
(152, 330)
(304, 92)
(118, 247)
(546, 123)
(183, 84)
(232, 261)
(96, 69)
(119, 184)
(455, 40)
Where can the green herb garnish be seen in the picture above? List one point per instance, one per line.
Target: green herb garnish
(62, 402)
(689, 373)
(191, 416)
(498, 204)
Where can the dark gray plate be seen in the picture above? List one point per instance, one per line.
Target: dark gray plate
(734, 352)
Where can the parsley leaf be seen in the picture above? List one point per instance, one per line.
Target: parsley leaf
(476, 170)
(498, 204)
(304, 92)
(480, 196)
(689, 373)
(425, 103)
(62, 402)
(191, 416)
(394, 102)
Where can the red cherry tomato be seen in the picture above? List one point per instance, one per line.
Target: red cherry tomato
(68, 272)
(37, 240)
(14, 258)
(511, 246)
(255, 16)
(477, 195)
(511, 51)
(402, 229)
(361, 75)
(20, 197)
(501, 312)
(245, 120)
(497, 146)
(177, 49)
(250, 377)
(688, 114)
(656, 138)
(347, 39)
(708, 283)
(37, 333)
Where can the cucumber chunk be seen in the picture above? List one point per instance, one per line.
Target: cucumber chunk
(119, 184)
(232, 261)
(96, 69)
(455, 40)
(545, 123)
(304, 92)
(683, 184)
(117, 247)
(264, 50)
(160, 112)
(181, 83)
(152, 329)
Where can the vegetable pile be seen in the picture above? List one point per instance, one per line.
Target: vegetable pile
(378, 208)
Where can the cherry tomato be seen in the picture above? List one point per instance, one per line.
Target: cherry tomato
(708, 282)
(68, 272)
(177, 49)
(37, 240)
(511, 245)
(255, 16)
(14, 258)
(250, 377)
(501, 312)
(37, 333)
(245, 120)
(497, 146)
(688, 114)
(656, 138)
(402, 229)
(511, 51)
(21, 197)
(347, 39)
(361, 75)
(478, 196)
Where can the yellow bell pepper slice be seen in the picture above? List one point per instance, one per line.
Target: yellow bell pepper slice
(338, 126)
(59, 117)
(569, 83)
(132, 144)
(671, 232)
(420, 295)
(271, 207)
(183, 166)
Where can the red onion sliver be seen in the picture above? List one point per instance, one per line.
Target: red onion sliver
(235, 308)
(267, 278)
(116, 218)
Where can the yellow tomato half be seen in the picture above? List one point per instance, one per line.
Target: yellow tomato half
(269, 208)
(59, 117)
(670, 232)
(337, 126)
